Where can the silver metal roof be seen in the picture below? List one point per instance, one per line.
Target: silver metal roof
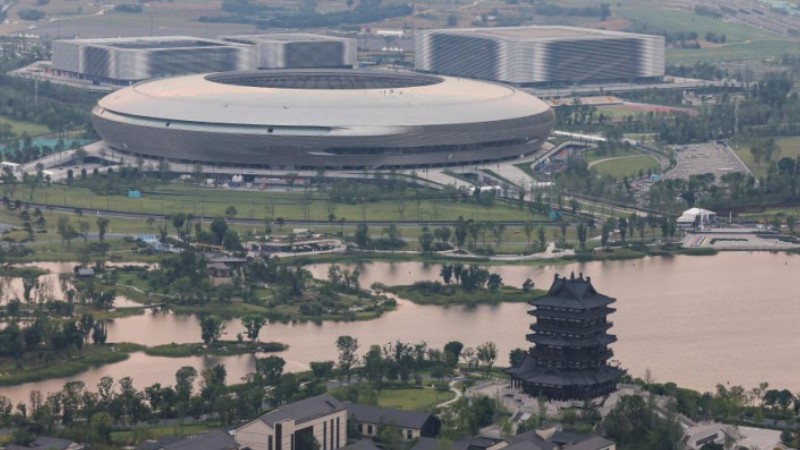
(283, 37)
(194, 98)
(540, 33)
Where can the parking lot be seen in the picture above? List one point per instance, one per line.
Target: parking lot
(711, 157)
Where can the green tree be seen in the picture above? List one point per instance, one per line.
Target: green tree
(102, 227)
(231, 212)
(581, 230)
(347, 347)
(270, 369)
(426, 240)
(516, 356)
(211, 329)
(101, 423)
(487, 354)
(231, 240)
(374, 366)
(361, 236)
(252, 324)
(494, 282)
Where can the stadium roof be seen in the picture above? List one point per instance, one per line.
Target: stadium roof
(368, 99)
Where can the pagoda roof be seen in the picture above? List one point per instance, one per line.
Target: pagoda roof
(585, 315)
(560, 341)
(572, 293)
(548, 376)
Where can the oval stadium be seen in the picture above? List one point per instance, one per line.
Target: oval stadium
(338, 119)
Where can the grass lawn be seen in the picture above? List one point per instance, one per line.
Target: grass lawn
(80, 361)
(738, 51)
(195, 200)
(19, 127)
(136, 436)
(626, 166)
(594, 155)
(415, 399)
(643, 15)
(789, 148)
(743, 42)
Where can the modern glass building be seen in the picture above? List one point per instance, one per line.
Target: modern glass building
(128, 60)
(300, 50)
(541, 55)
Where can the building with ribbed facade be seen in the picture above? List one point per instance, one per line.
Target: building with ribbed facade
(300, 50)
(541, 55)
(128, 60)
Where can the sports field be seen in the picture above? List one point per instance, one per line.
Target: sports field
(315, 206)
(19, 127)
(625, 166)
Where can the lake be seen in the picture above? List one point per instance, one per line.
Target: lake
(697, 321)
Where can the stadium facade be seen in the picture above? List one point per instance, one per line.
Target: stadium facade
(540, 56)
(300, 51)
(123, 61)
(126, 60)
(339, 119)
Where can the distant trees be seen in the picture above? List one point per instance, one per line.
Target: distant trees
(31, 14)
(128, 8)
(632, 424)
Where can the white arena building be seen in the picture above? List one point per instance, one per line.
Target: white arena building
(339, 119)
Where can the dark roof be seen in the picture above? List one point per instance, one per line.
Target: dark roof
(162, 442)
(477, 442)
(562, 341)
(363, 444)
(572, 293)
(531, 436)
(560, 439)
(304, 410)
(527, 445)
(213, 440)
(568, 437)
(44, 443)
(592, 443)
(425, 443)
(387, 416)
(566, 377)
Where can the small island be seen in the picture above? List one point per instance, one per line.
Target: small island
(219, 348)
(465, 285)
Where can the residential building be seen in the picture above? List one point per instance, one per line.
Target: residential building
(213, 440)
(48, 443)
(322, 417)
(370, 420)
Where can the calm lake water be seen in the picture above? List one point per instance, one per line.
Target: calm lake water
(698, 321)
(50, 284)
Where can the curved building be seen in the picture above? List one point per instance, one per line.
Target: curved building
(303, 119)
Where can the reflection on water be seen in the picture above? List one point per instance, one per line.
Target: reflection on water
(50, 283)
(697, 321)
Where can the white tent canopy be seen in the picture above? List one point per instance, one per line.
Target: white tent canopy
(697, 216)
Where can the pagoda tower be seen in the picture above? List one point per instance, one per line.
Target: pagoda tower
(569, 359)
